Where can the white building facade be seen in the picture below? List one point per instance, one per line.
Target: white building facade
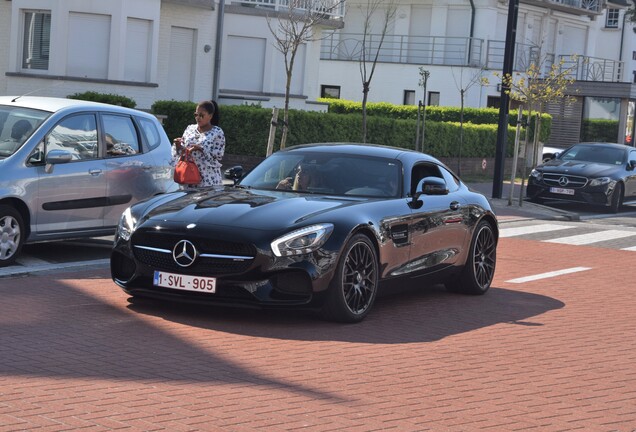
(193, 50)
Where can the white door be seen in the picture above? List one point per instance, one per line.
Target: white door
(180, 69)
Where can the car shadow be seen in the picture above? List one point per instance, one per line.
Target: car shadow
(78, 325)
(406, 315)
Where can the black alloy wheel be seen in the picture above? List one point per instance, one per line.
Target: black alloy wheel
(479, 270)
(355, 283)
(617, 198)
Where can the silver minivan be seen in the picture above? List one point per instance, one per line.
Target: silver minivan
(69, 168)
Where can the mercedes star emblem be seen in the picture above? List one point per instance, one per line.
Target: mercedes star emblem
(184, 253)
(563, 181)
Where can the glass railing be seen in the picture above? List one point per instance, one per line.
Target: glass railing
(462, 51)
(434, 50)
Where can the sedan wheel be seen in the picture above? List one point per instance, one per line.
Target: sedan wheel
(11, 239)
(617, 198)
(355, 284)
(479, 270)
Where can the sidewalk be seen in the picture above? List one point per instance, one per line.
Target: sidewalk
(507, 211)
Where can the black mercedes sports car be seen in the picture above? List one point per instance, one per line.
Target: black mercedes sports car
(320, 226)
(602, 174)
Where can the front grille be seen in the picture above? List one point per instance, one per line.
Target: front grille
(557, 180)
(160, 255)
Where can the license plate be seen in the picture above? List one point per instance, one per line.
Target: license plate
(185, 282)
(562, 191)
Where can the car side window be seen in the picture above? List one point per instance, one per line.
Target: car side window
(120, 135)
(421, 171)
(452, 182)
(76, 134)
(150, 132)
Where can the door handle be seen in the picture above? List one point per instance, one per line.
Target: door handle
(455, 205)
(94, 172)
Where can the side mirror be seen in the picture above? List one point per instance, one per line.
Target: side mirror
(234, 173)
(56, 157)
(631, 164)
(430, 186)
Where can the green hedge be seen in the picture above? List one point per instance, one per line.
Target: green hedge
(112, 99)
(599, 130)
(246, 130)
(437, 114)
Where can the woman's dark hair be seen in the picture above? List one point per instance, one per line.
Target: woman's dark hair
(215, 114)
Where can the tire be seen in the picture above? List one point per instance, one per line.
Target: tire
(11, 235)
(479, 270)
(354, 287)
(617, 198)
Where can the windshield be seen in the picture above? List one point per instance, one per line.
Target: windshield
(16, 126)
(596, 153)
(320, 173)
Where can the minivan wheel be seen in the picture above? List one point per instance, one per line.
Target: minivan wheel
(11, 235)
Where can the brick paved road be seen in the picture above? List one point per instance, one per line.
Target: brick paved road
(556, 354)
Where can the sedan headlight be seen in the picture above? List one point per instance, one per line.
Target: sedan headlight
(537, 175)
(302, 241)
(600, 181)
(126, 225)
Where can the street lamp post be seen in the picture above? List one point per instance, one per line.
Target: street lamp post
(502, 130)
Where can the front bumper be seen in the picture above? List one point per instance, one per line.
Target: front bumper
(598, 195)
(264, 281)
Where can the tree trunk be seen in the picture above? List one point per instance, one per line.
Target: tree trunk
(283, 138)
(365, 94)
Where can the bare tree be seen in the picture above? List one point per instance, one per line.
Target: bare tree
(370, 49)
(463, 86)
(297, 26)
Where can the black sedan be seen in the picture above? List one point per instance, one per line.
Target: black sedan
(601, 174)
(318, 226)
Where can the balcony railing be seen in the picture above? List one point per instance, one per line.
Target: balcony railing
(434, 50)
(584, 68)
(589, 5)
(332, 9)
(462, 51)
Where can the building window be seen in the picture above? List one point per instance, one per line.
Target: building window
(611, 20)
(633, 55)
(634, 73)
(36, 40)
(433, 98)
(409, 97)
(329, 91)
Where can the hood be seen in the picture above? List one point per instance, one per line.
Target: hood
(585, 169)
(241, 208)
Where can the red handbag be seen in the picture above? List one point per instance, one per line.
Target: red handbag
(186, 171)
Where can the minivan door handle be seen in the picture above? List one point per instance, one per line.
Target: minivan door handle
(94, 172)
(455, 205)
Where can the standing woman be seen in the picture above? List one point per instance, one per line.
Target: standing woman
(207, 143)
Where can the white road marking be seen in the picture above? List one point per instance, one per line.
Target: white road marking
(596, 237)
(531, 229)
(548, 275)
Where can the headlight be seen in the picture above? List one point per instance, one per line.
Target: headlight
(302, 241)
(600, 181)
(537, 175)
(126, 224)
